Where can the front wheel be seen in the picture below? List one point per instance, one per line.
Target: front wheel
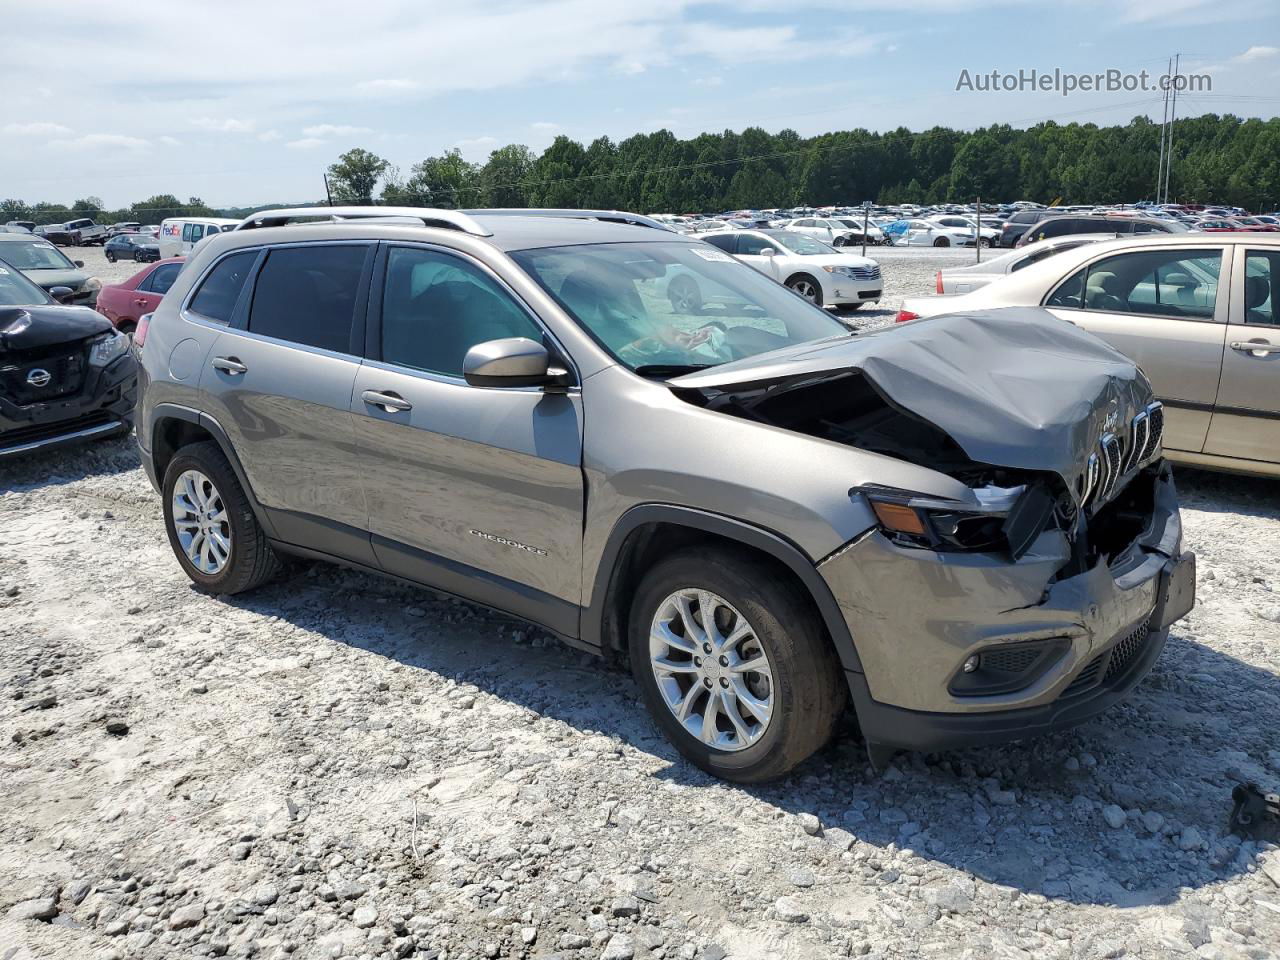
(111, 258)
(734, 664)
(942, 242)
(807, 287)
(211, 526)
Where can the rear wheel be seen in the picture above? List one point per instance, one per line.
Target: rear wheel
(807, 287)
(733, 664)
(942, 242)
(211, 526)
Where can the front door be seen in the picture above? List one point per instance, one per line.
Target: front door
(1246, 419)
(477, 491)
(1164, 308)
(279, 381)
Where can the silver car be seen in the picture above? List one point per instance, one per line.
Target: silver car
(770, 517)
(1197, 312)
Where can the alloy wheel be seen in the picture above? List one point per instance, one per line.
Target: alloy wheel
(201, 521)
(711, 669)
(806, 290)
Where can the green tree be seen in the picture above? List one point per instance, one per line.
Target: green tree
(504, 179)
(355, 176)
(447, 181)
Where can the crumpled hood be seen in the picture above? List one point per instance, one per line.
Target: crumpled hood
(1014, 387)
(25, 328)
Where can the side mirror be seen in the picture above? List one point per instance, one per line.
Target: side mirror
(78, 263)
(768, 252)
(512, 362)
(61, 294)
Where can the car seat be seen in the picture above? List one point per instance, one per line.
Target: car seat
(1104, 291)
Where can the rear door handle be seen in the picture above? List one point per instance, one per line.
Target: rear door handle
(229, 365)
(390, 402)
(140, 301)
(1259, 348)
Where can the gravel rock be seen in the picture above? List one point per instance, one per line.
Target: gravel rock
(187, 916)
(620, 947)
(1114, 816)
(810, 824)
(789, 910)
(38, 908)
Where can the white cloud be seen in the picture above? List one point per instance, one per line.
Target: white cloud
(102, 141)
(544, 126)
(225, 125)
(267, 136)
(169, 141)
(306, 143)
(1256, 53)
(333, 130)
(714, 81)
(477, 148)
(37, 129)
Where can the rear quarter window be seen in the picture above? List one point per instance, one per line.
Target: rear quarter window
(216, 297)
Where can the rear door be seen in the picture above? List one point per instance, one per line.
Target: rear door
(475, 490)
(154, 286)
(1246, 418)
(1166, 309)
(279, 381)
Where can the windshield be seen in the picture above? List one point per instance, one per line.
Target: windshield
(17, 291)
(34, 255)
(665, 308)
(805, 246)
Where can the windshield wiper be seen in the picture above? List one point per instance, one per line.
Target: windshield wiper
(664, 370)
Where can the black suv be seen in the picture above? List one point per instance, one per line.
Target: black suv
(66, 374)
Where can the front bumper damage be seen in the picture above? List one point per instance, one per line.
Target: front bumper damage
(102, 408)
(916, 616)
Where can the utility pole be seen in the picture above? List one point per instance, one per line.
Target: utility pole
(328, 195)
(1164, 124)
(866, 215)
(1173, 116)
(977, 234)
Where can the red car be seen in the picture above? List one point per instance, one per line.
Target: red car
(124, 303)
(1253, 224)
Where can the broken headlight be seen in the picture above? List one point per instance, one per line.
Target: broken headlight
(1005, 519)
(106, 348)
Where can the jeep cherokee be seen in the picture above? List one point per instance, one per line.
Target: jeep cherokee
(964, 525)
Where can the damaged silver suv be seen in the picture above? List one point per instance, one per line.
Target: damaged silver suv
(963, 526)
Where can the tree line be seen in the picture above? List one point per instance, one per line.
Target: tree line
(1217, 159)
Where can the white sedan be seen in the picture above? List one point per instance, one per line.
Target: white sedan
(926, 233)
(990, 232)
(837, 231)
(813, 269)
(956, 280)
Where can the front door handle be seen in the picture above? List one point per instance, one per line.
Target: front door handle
(390, 402)
(229, 365)
(1259, 348)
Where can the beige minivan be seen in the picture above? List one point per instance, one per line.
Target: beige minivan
(1198, 312)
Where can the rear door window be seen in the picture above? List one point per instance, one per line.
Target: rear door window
(728, 242)
(216, 298)
(1261, 280)
(1172, 283)
(307, 295)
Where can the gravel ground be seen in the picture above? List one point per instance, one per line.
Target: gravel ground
(339, 766)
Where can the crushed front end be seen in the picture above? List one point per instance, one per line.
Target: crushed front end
(1040, 590)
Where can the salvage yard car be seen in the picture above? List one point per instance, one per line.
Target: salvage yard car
(124, 304)
(965, 525)
(1196, 311)
(821, 274)
(48, 266)
(65, 375)
(132, 246)
(971, 276)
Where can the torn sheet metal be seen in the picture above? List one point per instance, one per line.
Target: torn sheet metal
(1015, 387)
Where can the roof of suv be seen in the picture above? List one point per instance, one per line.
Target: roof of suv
(505, 229)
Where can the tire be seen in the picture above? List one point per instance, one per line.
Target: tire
(804, 686)
(684, 295)
(111, 257)
(807, 287)
(942, 242)
(988, 243)
(127, 327)
(250, 561)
